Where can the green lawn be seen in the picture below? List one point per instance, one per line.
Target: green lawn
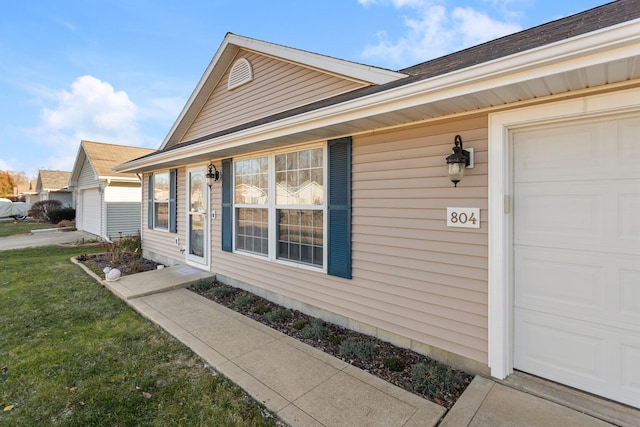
(9, 228)
(72, 354)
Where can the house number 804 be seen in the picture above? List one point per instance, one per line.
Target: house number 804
(463, 217)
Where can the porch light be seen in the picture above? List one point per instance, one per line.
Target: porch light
(459, 161)
(212, 175)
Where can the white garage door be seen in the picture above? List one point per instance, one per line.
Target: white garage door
(576, 255)
(91, 211)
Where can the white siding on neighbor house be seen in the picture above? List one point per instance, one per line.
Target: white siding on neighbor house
(277, 86)
(415, 281)
(123, 219)
(123, 192)
(87, 177)
(160, 242)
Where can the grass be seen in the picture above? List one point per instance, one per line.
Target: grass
(72, 354)
(10, 228)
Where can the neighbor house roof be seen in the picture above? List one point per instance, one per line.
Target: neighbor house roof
(597, 47)
(49, 180)
(103, 157)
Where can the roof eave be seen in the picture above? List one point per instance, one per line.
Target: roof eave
(605, 45)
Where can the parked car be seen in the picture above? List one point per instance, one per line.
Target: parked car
(17, 210)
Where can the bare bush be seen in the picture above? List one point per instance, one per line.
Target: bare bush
(40, 210)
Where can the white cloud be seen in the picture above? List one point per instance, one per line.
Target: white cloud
(91, 110)
(432, 30)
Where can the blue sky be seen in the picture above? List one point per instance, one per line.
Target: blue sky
(120, 71)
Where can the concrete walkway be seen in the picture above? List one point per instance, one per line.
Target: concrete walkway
(306, 387)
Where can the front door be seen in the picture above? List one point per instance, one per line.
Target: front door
(197, 218)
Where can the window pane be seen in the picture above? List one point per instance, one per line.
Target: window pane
(252, 230)
(251, 181)
(196, 240)
(161, 186)
(299, 179)
(300, 234)
(161, 212)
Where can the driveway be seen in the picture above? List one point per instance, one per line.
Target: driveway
(42, 238)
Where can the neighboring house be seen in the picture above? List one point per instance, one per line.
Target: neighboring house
(27, 191)
(107, 202)
(54, 185)
(545, 279)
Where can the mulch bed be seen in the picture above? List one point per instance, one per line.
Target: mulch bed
(259, 308)
(442, 384)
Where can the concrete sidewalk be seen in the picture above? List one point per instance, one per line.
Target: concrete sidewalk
(306, 387)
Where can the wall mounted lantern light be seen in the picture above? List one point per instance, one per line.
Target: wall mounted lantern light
(212, 175)
(459, 161)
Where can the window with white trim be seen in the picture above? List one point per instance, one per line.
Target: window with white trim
(161, 201)
(279, 206)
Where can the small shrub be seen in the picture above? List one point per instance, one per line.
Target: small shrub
(354, 348)
(221, 292)
(279, 315)
(116, 248)
(299, 325)
(66, 223)
(315, 330)
(394, 364)
(57, 215)
(202, 285)
(40, 210)
(244, 300)
(337, 339)
(437, 380)
(261, 309)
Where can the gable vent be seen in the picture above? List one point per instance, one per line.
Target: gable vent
(241, 73)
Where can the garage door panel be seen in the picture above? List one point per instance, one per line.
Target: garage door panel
(628, 148)
(583, 145)
(630, 373)
(559, 281)
(576, 255)
(585, 215)
(554, 344)
(629, 216)
(630, 293)
(581, 355)
(598, 150)
(595, 287)
(91, 211)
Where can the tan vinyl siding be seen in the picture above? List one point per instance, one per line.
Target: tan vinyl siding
(277, 86)
(412, 276)
(160, 242)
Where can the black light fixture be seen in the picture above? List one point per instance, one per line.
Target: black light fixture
(458, 161)
(212, 175)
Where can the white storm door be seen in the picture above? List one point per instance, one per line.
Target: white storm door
(197, 217)
(576, 255)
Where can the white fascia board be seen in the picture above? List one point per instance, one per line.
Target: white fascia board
(605, 45)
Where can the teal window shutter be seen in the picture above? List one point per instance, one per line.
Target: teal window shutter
(173, 208)
(339, 208)
(227, 205)
(150, 202)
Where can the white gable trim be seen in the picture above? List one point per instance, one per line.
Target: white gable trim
(232, 43)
